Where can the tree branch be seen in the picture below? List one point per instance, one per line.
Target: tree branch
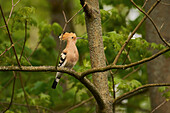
(13, 5)
(65, 25)
(112, 66)
(80, 104)
(32, 107)
(163, 40)
(9, 48)
(24, 40)
(165, 101)
(137, 90)
(10, 37)
(25, 95)
(134, 31)
(13, 89)
(79, 75)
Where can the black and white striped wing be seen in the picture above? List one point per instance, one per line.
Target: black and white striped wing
(62, 63)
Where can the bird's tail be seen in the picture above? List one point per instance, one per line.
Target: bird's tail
(57, 79)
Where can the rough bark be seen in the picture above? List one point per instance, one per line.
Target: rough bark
(158, 69)
(97, 56)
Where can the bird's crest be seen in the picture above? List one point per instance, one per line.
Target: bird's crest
(67, 35)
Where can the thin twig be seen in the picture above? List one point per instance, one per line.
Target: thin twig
(137, 90)
(27, 60)
(78, 105)
(144, 3)
(10, 37)
(163, 3)
(6, 50)
(8, 83)
(65, 25)
(152, 23)
(9, 48)
(24, 40)
(13, 5)
(77, 12)
(36, 47)
(165, 101)
(112, 78)
(135, 70)
(134, 31)
(112, 66)
(32, 107)
(10, 104)
(25, 95)
(80, 75)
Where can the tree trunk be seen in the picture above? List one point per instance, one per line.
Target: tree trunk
(158, 69)
(97, 56)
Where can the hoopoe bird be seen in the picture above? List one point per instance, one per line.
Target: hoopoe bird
(69, 55)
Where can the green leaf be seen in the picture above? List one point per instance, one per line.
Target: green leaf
(167, 94)
(44, 96)
(134, 84)
(162, 89)
(57, 29)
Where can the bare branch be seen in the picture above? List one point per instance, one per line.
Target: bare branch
(65, 25)
(36, 47)
(135, 70)
(13, 5)
(6, 50)
(10, 37)
(8, 83)
(112, 66)
(32, 107)
(65, 18)
(25, 96)
(134, 31)
(77, 12)
(9, 48)
(79, 75)
(10, 104)
(152, 23)
(144, 3)
(24, 40)
(80, 104)
(165, 3)
(165, 101)
(137, 90)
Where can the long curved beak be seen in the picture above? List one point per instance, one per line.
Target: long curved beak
(81, 38)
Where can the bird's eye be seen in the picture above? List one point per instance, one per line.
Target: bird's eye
(72, 37)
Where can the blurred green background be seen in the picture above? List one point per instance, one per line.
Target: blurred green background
(45, 22)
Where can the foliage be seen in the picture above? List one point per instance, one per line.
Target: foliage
(116, 29)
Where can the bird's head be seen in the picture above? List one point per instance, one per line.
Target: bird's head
(69, 37)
